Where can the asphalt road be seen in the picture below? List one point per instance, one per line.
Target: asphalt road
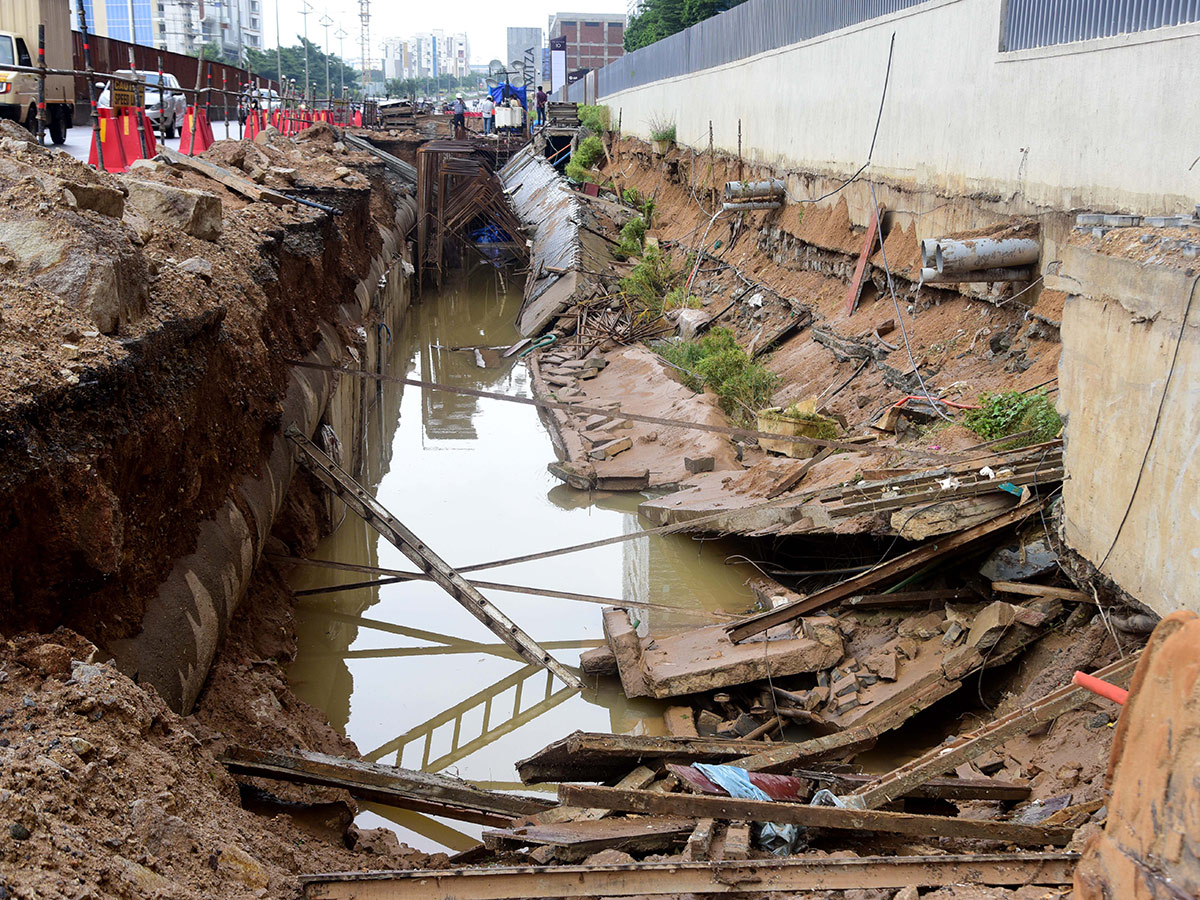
(79, 139)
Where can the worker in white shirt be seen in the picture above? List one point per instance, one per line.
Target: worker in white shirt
(489, 114)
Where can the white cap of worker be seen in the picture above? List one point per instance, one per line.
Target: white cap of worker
(458, 96)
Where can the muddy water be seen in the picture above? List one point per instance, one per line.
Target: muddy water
(409, 675)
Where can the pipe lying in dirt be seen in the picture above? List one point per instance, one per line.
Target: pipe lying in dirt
(735, 207)
(947, 255)
(933, 276)
(754, 190)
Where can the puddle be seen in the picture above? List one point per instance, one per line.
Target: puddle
(402, 669)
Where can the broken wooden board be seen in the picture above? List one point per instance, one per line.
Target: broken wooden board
(389, 785)
(945, 517)
(732, 877)
(575, 841)
(784, 757)
(789, 481)
(733, 809)
(704, 659)
(221, 175)
(856, 283)
(894, 568)
(980, 788)
(945, 757)
(640, 777)
(584, 756)
(909, 598)
(1042, 590)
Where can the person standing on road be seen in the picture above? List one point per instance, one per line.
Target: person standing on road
(541, 105)
(459, 122)
(489, 113)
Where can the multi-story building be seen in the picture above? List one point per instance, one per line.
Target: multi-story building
(181, 26)
(434, 53)
(593, 39)
(521, 40)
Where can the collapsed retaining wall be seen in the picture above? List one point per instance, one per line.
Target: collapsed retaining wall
(1091, 124)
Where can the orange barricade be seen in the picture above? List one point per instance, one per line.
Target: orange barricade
(128, 133)
(195, 119)
(110, 142)
(358, 118)
(256, 121)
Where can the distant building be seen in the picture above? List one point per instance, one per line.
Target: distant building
(520, 40)
(635, 7)
(593, 39)
(180, 26)
(434, 53)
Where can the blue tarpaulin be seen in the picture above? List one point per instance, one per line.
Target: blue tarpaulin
(506, 91)
(777, 839)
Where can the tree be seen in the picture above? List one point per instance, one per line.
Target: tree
(265, 64)
(662, 18)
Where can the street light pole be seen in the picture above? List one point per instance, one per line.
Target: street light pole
(304, 11)
(278, 49)
(325, 22)
(340, 34)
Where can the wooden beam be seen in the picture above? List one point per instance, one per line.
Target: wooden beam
(943, 758)
(732, 809)
(784, 757)
(907, 598)
(404, 788)
(734, 877)
(792, 479)
(1041, 590)
(575, 841)
(934, 789)
(221, 175)
(894, 568)
(856, 283)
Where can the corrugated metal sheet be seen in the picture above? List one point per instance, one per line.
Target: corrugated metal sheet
(1044, 23)
(751, 28)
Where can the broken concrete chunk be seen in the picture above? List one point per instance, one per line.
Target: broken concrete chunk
(680, 721)
(906, 648)
(923, 627)
(990, 625)
(196, 266)
(707, 722)
(953, 632)
(593, 422)
(697, 464)
(197, 213)
(610, 449)
(1026, 557)
(598, 661)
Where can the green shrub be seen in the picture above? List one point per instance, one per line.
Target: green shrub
(595, 118)
(662, 129)
(650, 280)
(1012, 412)
(633, 233)
(589, 152)
(678, 298)
(715, 361)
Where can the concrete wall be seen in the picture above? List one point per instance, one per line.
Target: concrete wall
(1120, 331)
(1100, 124)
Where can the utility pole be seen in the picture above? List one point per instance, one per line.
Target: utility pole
(278, 50)
(340, 34)
(364, 18)
(325, 22)
(306, 8)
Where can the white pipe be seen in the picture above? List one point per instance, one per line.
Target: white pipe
(930, 275)
(973, 254)
(754, 190)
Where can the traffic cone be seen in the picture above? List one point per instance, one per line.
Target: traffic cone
(194, 120)
(110, 143)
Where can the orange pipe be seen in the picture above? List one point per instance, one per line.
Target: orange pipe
(1100, 687)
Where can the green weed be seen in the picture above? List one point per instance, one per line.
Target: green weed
(1012, 412)
(650, 280)
(589, 152)
(715, 361)
(632, 234)
(595, 119)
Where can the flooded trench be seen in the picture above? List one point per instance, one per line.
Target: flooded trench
(402, 669)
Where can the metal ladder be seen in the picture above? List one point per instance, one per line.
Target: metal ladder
(363, 504)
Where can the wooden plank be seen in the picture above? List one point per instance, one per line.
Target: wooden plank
(786, 756)
(855, 289)
(404, 788)
(751, 876)
(699, 841)
(789, 482)
(732, 809)
(943, 758)
(909, 598)
(1041, 590)
(574, 841)
(894, 568)
(937, 494)
(583, 756)
(221, 175)
(641, 777)
(935, 789)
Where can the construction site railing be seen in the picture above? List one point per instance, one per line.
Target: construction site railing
(1025, 24)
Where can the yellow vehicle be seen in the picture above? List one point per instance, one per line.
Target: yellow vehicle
(19, 20)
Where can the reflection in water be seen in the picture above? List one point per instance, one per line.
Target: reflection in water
(418, 681)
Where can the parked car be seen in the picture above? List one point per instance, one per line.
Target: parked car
(166, 112)
(19, 21)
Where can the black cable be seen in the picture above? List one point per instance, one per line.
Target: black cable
(1157, 419)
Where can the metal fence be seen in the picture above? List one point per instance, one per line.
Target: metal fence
(1044, 23)
(748, 29)
(760, 25)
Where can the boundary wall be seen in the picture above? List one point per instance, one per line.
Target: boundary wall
(1097, 124)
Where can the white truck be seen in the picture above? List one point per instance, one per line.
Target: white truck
(19, 20)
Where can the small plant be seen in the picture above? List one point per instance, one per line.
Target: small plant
(589, 152)
(595, 119)
(650, 280)
(632, 234)
(632, 197)
(1012, 412)
(678, 298)
(662, 130)
(715, 361)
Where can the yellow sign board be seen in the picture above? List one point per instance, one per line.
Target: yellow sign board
(126, 94)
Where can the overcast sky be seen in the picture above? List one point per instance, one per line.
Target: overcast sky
(485, 23)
